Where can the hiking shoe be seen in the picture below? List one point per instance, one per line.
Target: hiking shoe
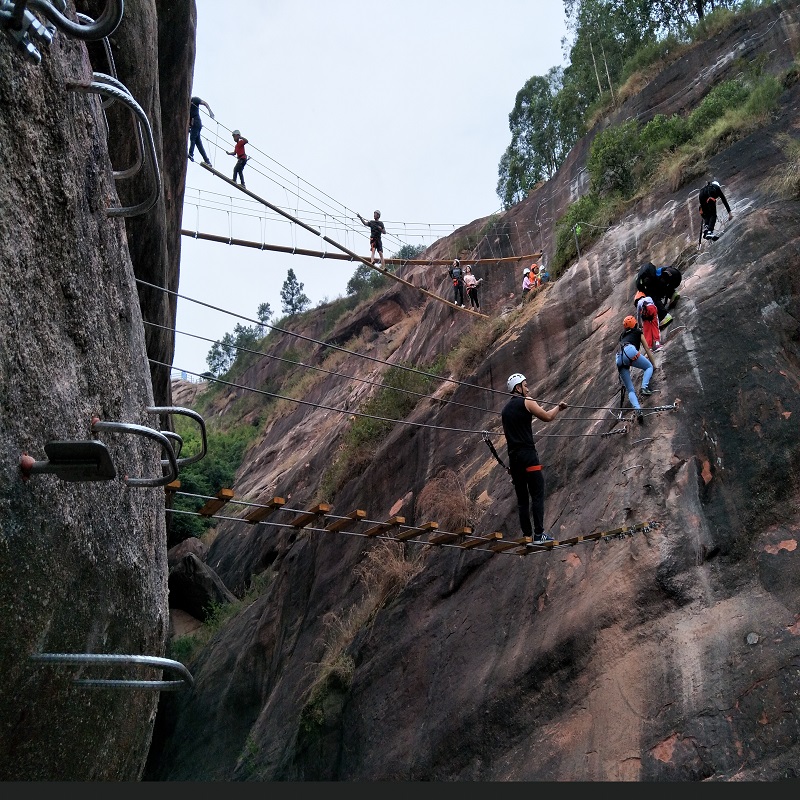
(646, 391)
(542, 538)
(640, 417)
(207, 163)
(708, 235)
(664, 322)
(191, 158)
(656, 347)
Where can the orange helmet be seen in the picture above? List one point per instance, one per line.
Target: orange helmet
(638, 296)
(629, 322)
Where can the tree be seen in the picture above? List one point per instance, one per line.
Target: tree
(409, 251)
(221, 355)
(264, 315)
(538, 145)
(293, 300)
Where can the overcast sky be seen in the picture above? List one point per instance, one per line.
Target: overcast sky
(348, 107)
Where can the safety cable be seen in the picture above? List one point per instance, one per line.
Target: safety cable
(322, 344)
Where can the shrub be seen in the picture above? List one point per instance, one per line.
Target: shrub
(721, 98)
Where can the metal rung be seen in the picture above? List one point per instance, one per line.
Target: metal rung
(141, 430)
(72, 461)
(187, 412)
(100, 658)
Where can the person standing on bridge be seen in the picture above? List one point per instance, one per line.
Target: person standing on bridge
(195, 126)
(376, 229)
(241, 158)
(523, 460)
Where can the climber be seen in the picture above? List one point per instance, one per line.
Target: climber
(457, 274)
(707, 199)
(627, 356)
(376, 229)
(523, 460)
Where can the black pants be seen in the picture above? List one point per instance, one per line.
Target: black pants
(529, 488)
(709, 214)
(194, 141)
(473, 297)
(237, 170)
(458, 288)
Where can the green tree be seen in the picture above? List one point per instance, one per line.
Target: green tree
(293, 300)
(264, 315)
(409, 251)
(364, 280)
(221, 355)
(537, 143)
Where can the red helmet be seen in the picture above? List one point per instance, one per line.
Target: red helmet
(629, 322)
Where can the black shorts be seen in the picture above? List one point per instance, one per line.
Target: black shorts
(376, 243)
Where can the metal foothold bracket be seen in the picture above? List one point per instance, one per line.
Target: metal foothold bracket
(72, 461)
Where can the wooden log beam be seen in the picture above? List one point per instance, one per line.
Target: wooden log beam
(401, 536)
(212, 506)
(382, 527)
(261, 512)
(339, 524)
(301, 520)
(486, 538)
(509, 545)
(449, 536)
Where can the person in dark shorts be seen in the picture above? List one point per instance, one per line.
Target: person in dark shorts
(376, 228)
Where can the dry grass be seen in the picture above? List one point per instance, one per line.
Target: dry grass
(385, 571)
(784, 180)
(444, 500)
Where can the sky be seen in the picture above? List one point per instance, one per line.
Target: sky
(347, 108)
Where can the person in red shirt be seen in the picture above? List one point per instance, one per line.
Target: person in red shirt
(241, 158)
(647, 319)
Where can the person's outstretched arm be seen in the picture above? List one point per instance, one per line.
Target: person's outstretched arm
(208, 107)
(540, 413)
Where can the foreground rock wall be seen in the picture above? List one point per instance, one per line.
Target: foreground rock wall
(83, 565)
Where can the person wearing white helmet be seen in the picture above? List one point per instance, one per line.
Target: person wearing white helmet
(526, 281)
(707, 198)
(523, 460)
(376, 228)
(241, 158)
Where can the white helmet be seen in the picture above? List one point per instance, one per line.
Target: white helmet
(715, 183)
(515, 380)
(526, 271)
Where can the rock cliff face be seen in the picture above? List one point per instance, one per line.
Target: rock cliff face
(668, 655)
(83, 565)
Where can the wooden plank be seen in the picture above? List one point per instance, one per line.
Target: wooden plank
(501, 546)
(484, 539)
(262, 512)
(301, 520)
(401, 536)
(212, 506)
(382, 527)
(444, 537)
(172, 487)
(339, 524)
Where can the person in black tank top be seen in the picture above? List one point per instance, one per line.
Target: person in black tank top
(523, 460)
